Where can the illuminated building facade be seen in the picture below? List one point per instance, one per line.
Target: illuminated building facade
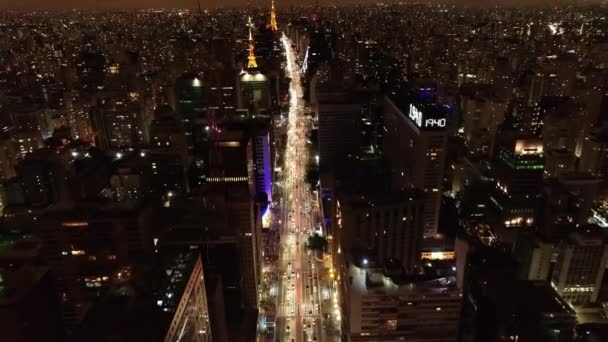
(79, 117)
(184, 297)
(26, 142)
(117, 122)
(262, 167)
(415, 146)
(519, 166)
(273, 18)
(253, 91)
(253, 87)
(580, 266)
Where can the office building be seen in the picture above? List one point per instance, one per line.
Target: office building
(167, 304)
(415, 146)
(580, 266)
(253, 91)
(262, 162)
(567, 204)
(482, 114)
(381, 307)
(230, 190)
(118, 123)
(388, 226)
(191, 100)
(518, 166)
(42, 177)
(184, 297)
(339, 128)
(534, 256)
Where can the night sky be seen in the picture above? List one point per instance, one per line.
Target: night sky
(66, 4)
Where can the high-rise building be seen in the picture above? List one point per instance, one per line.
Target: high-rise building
(415, 146)
(26, 142)
(170, 305)
(379, 306)
(534, 256)
(253, 91)
(388, 226)
(42, 178)
(191, 100)
(580, 266)
(184, 296)
(117, 122)
(594, 155)
(230, 193)
(482, 114)
(339, 128)
(8, 159)
(567, 204)
(518, 166)
(262, 161)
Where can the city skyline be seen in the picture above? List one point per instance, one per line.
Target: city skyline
(315, 173)
(212, 4)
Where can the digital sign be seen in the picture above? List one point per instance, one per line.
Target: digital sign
(418, 117)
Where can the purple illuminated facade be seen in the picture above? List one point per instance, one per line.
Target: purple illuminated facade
(263, 172)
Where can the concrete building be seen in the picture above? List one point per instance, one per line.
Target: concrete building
(415, 146)
(339, 128)
(253, 91)
(378, 307)
(580, 266)
(388, 226)
(184, 296)
(519, 168)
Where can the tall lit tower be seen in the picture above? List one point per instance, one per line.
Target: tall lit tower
(251, 63)
(273, 18)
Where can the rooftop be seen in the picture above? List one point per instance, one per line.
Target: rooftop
(177, 272)
(373, 281)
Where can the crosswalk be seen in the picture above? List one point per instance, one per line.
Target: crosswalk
(286, 310)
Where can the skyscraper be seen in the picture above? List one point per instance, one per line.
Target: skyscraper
(580, 266)
(519, 172)
(415, 146)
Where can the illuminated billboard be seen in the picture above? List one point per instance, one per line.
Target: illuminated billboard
(418, 117)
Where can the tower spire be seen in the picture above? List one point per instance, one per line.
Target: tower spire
(273, 18)
(251, 62)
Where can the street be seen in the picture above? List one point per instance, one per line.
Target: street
(303, 285)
